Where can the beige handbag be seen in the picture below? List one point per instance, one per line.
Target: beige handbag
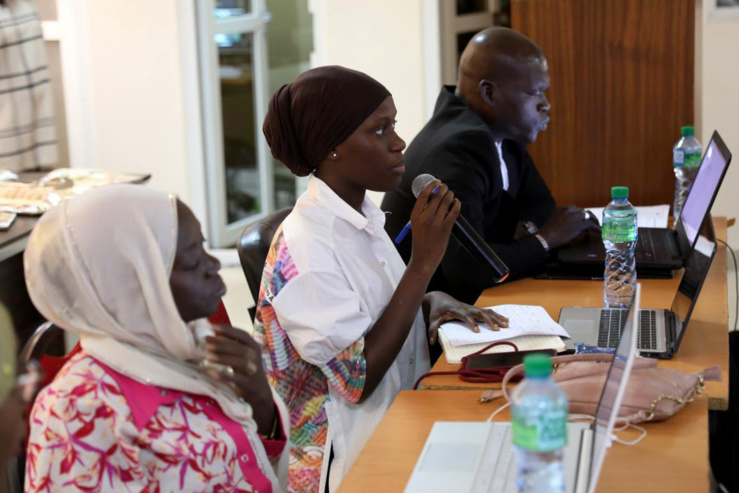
(652, 394)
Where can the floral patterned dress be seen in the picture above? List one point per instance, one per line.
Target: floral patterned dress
(94, 429)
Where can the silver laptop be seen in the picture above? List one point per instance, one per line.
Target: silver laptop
(660, 331)
(479, 458)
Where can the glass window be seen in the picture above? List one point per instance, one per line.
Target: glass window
(462, 40)
(248, 51)
(471, 6)
(226, 9)
(235, 54)
(502, 15)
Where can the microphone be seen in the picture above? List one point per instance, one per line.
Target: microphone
(467, 236)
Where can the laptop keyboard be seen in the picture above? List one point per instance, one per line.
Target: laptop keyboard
(645, 247)
(497, 472)
(647, 338)
(613, 321)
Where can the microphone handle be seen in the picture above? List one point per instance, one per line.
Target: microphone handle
(474, 243)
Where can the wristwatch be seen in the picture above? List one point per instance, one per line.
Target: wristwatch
(530, 227)
(542, 241)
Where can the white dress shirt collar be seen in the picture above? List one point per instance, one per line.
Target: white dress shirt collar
(372, 218)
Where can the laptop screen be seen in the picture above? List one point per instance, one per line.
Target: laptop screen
(703, 191)
(696, 269)
(610, 399)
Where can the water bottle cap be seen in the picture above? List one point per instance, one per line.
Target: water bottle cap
(687, 130)
(537, 365)
(619, 192)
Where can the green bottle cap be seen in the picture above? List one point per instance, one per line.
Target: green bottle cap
(619, 192)
(687, 130)
(537, 365)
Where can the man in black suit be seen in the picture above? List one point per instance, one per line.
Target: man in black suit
(476, 144)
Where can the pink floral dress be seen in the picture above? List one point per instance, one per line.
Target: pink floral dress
(94, 429)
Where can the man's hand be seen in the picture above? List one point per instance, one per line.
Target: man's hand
(441, 308)
(566, 224)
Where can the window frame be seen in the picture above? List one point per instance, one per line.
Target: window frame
(221, 232)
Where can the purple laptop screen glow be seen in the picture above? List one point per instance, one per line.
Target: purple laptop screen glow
(699, 199)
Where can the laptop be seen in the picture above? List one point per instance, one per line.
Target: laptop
(660, 331)
(660, 249)
(479, 457)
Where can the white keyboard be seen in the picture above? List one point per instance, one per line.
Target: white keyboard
(497, 471)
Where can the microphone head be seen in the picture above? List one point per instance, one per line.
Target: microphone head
(420, 182)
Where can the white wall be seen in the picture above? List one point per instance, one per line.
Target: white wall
(132, 70)
(383, 38)
(717, 108)
(718, 99)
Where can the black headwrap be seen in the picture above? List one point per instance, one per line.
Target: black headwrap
(317, 112)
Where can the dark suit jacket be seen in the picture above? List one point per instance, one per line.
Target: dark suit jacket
(456, 146)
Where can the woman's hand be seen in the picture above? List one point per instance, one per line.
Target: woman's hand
(432, 219)
(234, 348)
(439, 307)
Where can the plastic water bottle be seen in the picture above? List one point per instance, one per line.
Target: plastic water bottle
(619, 237)
(539, 415)
(686, 159)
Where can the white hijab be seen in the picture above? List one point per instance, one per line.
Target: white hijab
(99, 265)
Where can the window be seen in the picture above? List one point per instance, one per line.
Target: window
(238, 75)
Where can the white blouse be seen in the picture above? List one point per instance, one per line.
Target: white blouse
(346, 269)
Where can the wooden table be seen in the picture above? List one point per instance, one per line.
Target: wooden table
(673, 457)
(706, 341)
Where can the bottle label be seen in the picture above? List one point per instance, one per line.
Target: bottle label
(544, 433)
(618, 233)
(693, 160)
(678, 158)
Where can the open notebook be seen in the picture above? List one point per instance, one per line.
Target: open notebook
(530, 328)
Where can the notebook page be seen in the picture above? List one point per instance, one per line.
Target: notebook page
(454, 354)
(523, 320)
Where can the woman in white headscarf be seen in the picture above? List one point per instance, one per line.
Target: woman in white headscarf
(124, 267)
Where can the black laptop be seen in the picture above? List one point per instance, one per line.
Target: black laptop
(660, 331)
(660, 250)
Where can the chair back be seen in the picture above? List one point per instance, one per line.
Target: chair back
(253, 246)
(36, 345)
